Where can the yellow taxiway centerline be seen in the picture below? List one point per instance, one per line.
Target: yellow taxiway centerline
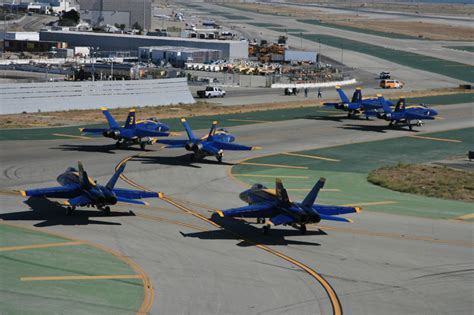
(465, 217)
(62, 278)
(70, 136)
(272, 176)
(25, 247)
(248, 120)
(376, 203)
(275, 165)
(435, 139)
(336, 304)
(312, 157)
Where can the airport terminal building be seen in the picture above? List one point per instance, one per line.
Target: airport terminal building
(230, 49)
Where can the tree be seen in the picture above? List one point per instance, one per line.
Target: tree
(69, 18)
(137, 26)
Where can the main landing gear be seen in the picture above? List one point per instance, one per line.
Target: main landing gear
(303, 229)
(266, 229)
(105, 209)
(70, 210)
(219, 157)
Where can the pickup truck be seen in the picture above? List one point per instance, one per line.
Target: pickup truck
(211, 91)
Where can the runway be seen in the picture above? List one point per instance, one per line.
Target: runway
(198, 264)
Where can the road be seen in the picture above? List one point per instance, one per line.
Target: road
(383, 264)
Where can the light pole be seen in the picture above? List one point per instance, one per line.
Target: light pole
(93, 51)
(301, 37)
(112, 69)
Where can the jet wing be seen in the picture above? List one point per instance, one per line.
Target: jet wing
(150, 133)
(171, 144)
(413, 116)
(52, 192)
(258, 210)
(134, 194)
(335, 210)
(81, 200)
(282, 219)
(93, 131)
(230, 146)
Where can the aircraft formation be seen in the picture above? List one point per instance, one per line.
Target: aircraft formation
(80, 190)
(397, 115)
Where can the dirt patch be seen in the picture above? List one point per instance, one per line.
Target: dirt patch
(80, 117)
(455, 9)
(417, 29)
(432, 181)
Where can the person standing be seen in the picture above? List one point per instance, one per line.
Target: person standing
(319, 93)
(305, 92)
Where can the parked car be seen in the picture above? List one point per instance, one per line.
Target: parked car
(384, 75)
(391, 84)
(211, 91)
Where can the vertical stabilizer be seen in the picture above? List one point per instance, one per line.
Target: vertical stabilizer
(281, 193)
(342, 95)
(313, 194)
(130, 122)
(110, 119)
(189, 131)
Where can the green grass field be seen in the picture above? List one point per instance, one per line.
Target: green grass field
(121, 296)
(355, 161)
(448, 68)
(358, 30)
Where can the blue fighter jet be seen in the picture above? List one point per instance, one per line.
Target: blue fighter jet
(212, 144)
(81, 190)
(276, 205)
(135, 132)
(356, 105)
(404, 115)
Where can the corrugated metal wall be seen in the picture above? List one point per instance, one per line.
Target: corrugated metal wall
(56, 96)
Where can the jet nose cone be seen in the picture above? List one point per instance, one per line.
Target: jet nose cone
(432, 112)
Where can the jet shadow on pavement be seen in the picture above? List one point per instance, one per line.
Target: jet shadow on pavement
(377, 128)
(339, 118)
(250, 235)
(182, 160)
(108, 148)
(51, 213)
